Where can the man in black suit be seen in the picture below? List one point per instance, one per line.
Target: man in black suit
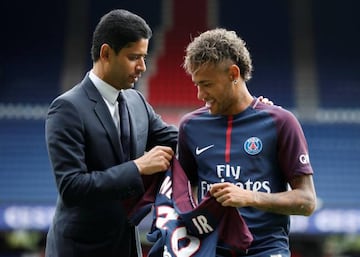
(94, 172)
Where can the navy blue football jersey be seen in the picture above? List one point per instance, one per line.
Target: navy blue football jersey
(259, 149)
(139, 206)
(183, 228)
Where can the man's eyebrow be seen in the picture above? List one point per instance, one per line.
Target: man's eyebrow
(138, 54)
(201, 82)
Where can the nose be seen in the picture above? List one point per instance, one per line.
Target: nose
(141, 65)
(200, 93)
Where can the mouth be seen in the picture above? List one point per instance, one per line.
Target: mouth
(209, 103)
(135, 78)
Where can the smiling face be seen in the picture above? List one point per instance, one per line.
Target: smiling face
(216, 88)
(122, 70)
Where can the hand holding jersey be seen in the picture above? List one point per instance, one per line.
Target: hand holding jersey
(182, 228)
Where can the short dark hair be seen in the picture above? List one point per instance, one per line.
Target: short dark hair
(118, 28)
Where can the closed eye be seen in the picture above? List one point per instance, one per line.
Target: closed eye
(135, 57)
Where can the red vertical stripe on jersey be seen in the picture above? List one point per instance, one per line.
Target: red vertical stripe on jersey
(228, 138)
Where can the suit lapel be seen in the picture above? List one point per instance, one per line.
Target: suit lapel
(103, 114)
(105, 118)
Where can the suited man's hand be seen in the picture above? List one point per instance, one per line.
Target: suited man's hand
(156, 160)
(265, 100)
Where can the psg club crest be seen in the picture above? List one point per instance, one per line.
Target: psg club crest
(253, 145)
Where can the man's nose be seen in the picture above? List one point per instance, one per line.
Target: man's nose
(200, 93)
(141, 65)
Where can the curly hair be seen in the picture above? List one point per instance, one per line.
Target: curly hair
(215, 46)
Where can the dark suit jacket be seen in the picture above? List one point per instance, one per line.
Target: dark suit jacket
(91, 177)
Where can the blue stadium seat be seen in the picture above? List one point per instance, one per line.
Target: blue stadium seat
(25, 173)
(334, 154)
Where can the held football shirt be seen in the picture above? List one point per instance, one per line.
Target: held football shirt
(183, 228)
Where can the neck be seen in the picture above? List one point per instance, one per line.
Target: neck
(244, 98)
(98, 70)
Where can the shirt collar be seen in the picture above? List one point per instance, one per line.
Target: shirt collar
(106, 90)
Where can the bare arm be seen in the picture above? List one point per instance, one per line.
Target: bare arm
(300, 200)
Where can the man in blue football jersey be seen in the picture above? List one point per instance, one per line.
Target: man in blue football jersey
(248, 154)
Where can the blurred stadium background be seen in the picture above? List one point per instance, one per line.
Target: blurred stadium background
(306, 57)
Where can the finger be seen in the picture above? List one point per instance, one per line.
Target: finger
(165, 148)
(267, 101)
(226, 203)
(219, 186)
(167, 156)
(219, 192)
(214, 188)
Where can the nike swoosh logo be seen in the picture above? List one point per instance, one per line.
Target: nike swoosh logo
(201, 150)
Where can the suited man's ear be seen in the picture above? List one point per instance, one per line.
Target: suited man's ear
(105, 52)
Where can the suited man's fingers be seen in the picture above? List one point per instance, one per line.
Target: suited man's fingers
(165, 149)
(156, 160)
